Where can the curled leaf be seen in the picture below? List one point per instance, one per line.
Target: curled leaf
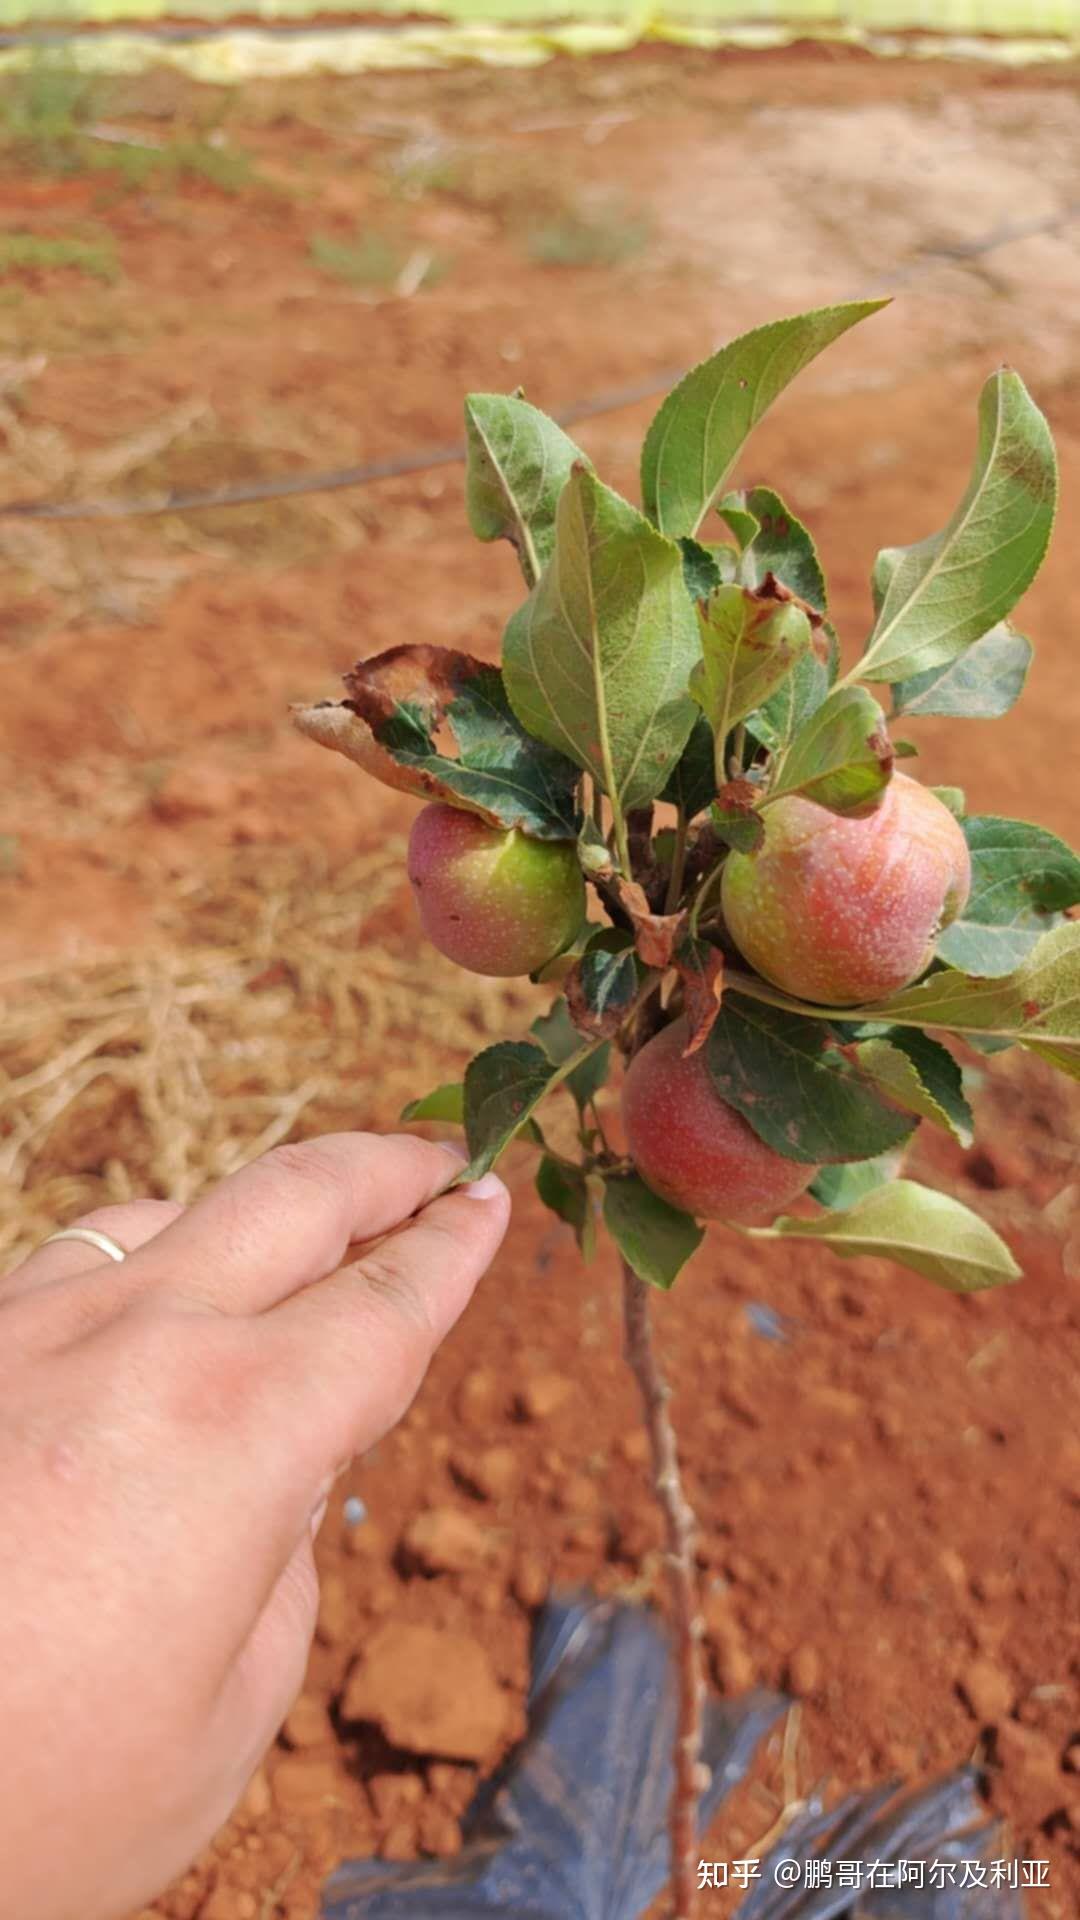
(655, 934)
(751, 639)
(436, 723)
(700, 967)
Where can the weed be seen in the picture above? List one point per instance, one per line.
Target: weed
(33, 253)
(145, 168)
(372, 260)
(48, 115)
(606, 237)
(45, 107)
(542, 210)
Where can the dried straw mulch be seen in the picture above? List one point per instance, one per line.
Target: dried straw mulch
(279, 1001)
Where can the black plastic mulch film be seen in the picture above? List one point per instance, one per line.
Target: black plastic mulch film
(574, 1826)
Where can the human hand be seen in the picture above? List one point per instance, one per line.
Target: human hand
(169, 1429)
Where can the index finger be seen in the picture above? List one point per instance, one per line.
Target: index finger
(289, 1218)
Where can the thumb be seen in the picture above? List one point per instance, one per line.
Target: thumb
(358, 1343)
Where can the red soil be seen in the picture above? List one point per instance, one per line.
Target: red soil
(889, 1498)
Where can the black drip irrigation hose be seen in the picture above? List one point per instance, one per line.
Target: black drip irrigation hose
(333, 480)
(422, 460)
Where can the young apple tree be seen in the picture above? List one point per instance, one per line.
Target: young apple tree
(780, 954)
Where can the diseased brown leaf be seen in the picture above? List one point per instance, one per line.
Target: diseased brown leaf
(738, 796)
(774, 589)
(427, 677)
(655, 934)
(596, 1025)
(700, 967)
(596, 1012)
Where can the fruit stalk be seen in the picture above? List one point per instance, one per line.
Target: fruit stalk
(680, 1527)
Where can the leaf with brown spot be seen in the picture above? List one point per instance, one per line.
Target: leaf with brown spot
(751, 640)
(735, 817)
(600, 987)
(436, 723)
(841, 757)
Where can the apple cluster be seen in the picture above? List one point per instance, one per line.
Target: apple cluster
(835, 909)
(669, 797)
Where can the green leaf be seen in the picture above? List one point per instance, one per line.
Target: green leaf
(780, 545)
(407, 705)
(700, 430)
(920, 1075)
(693, 783)
(980, 684)
(749, 643)
(952, 797)
(919, 1228)
(442, 1103)
(742, 522)
(1022, 878)
(597, 660)
(503, 1086)
(517, 464)
(1038, 1004)
(655, 1239)
(565, 1189)
(946, 592)
(842, 1185)
(702, 568)
(805, 690)
(745, 832)
(561, 1040)
(799, 1091)
(840, 756)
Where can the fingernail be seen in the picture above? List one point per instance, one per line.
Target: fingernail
(318, 1517)
(488, 1187)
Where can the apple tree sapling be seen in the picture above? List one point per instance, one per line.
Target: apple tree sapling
(785, 933)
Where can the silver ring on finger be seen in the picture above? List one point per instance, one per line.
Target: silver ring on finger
(90, 1237)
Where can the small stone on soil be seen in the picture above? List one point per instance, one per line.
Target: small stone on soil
(543, 1396)
(443, 1540)
(429, 1691)
(987, 1689)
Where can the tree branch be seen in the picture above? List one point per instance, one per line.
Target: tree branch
(680, 1528)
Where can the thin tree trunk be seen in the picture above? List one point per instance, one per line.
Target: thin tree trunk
(680, 1528)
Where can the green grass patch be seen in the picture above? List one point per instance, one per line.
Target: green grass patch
(149, 168)
(33, 253)
(44, 108)
(607, 237)
(49, 121)
(375, 262)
